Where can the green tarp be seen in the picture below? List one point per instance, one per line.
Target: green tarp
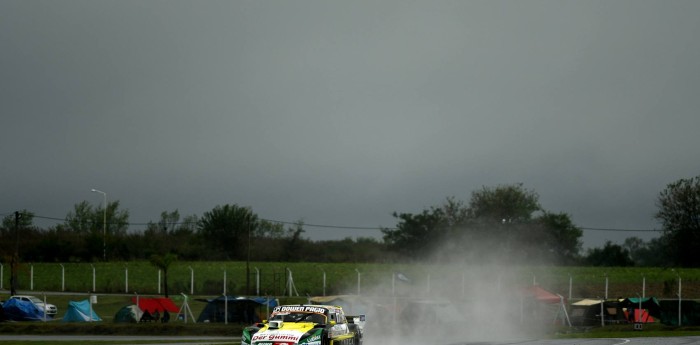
(690, 312)
(128, 314)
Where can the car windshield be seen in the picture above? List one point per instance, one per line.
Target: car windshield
(35, 300)
(299, 317)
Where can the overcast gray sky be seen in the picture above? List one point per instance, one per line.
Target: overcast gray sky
(342, 112)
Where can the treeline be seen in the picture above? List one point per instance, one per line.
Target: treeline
(503, 224)
(63, 244)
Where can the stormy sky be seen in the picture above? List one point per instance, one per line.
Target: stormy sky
(342, 112)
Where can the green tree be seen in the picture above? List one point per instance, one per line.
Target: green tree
(228, 229)
(25, 221)
(563, 238)
(90, 222)
(169, 221)
(505, 222)
(647, 254)
(416, 235)
(293, 247)
(518, 227)
(12, 225)
(610, 255)
(82, 219)
(163, 262)
(170, 234)
(505, 203)
(267, 229)
(679, 213)
(13, 230)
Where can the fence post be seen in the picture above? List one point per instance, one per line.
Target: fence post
(191, 280)
(257, 281)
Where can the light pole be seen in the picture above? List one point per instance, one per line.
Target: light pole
(104, 224)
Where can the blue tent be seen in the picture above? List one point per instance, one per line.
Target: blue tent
(240, 309)
(17, 310)
(80, 311)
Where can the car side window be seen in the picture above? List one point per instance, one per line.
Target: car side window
(340, 318)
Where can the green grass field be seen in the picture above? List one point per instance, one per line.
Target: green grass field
(376, 279)
(61, 283)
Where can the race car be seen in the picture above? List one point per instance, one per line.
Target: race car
(306, 325)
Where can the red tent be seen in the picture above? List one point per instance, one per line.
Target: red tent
(542, 295)
(154, 304)
(640, 315)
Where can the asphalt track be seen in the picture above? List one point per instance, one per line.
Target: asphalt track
(131, 340)
(173, 340)
(599, 341)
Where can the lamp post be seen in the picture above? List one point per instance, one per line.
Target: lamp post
(104, 224)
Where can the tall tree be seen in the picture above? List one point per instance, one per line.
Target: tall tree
(648, 254)
(505, 222)
(292, 248)
(608, 256)
(227, 229)
(679, 213)
(16, 222)
(416, 235)
(90, 221)
(505, 203)
(170, 234)
(270, 230)
(163, 263)
(169, 221)
(563, 238)
(26, 220)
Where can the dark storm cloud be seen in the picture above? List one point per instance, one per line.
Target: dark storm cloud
(342, 112)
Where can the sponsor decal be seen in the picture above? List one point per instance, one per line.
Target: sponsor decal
(299, 309)
(279, 336)
(313, 339)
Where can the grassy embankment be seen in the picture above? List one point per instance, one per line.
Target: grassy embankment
(376, 279)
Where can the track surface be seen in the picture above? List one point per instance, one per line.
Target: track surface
(229, 340)
(604, 341)
(126, 339)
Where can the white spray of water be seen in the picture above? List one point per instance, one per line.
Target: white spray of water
(452, 303)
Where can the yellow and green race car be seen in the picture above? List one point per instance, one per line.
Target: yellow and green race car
(306, 325)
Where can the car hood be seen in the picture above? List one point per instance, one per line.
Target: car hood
(289, 332)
